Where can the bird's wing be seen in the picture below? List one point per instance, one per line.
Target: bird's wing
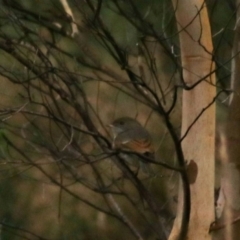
(132, 140)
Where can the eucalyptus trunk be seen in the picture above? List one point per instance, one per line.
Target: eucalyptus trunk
(198, 115)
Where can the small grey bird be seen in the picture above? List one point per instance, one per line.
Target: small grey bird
(129, 134)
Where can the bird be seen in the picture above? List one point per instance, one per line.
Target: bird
(130, 135)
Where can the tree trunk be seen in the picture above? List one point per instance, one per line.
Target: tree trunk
(198, 143)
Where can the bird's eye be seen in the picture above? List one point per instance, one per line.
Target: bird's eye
(121, 122)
